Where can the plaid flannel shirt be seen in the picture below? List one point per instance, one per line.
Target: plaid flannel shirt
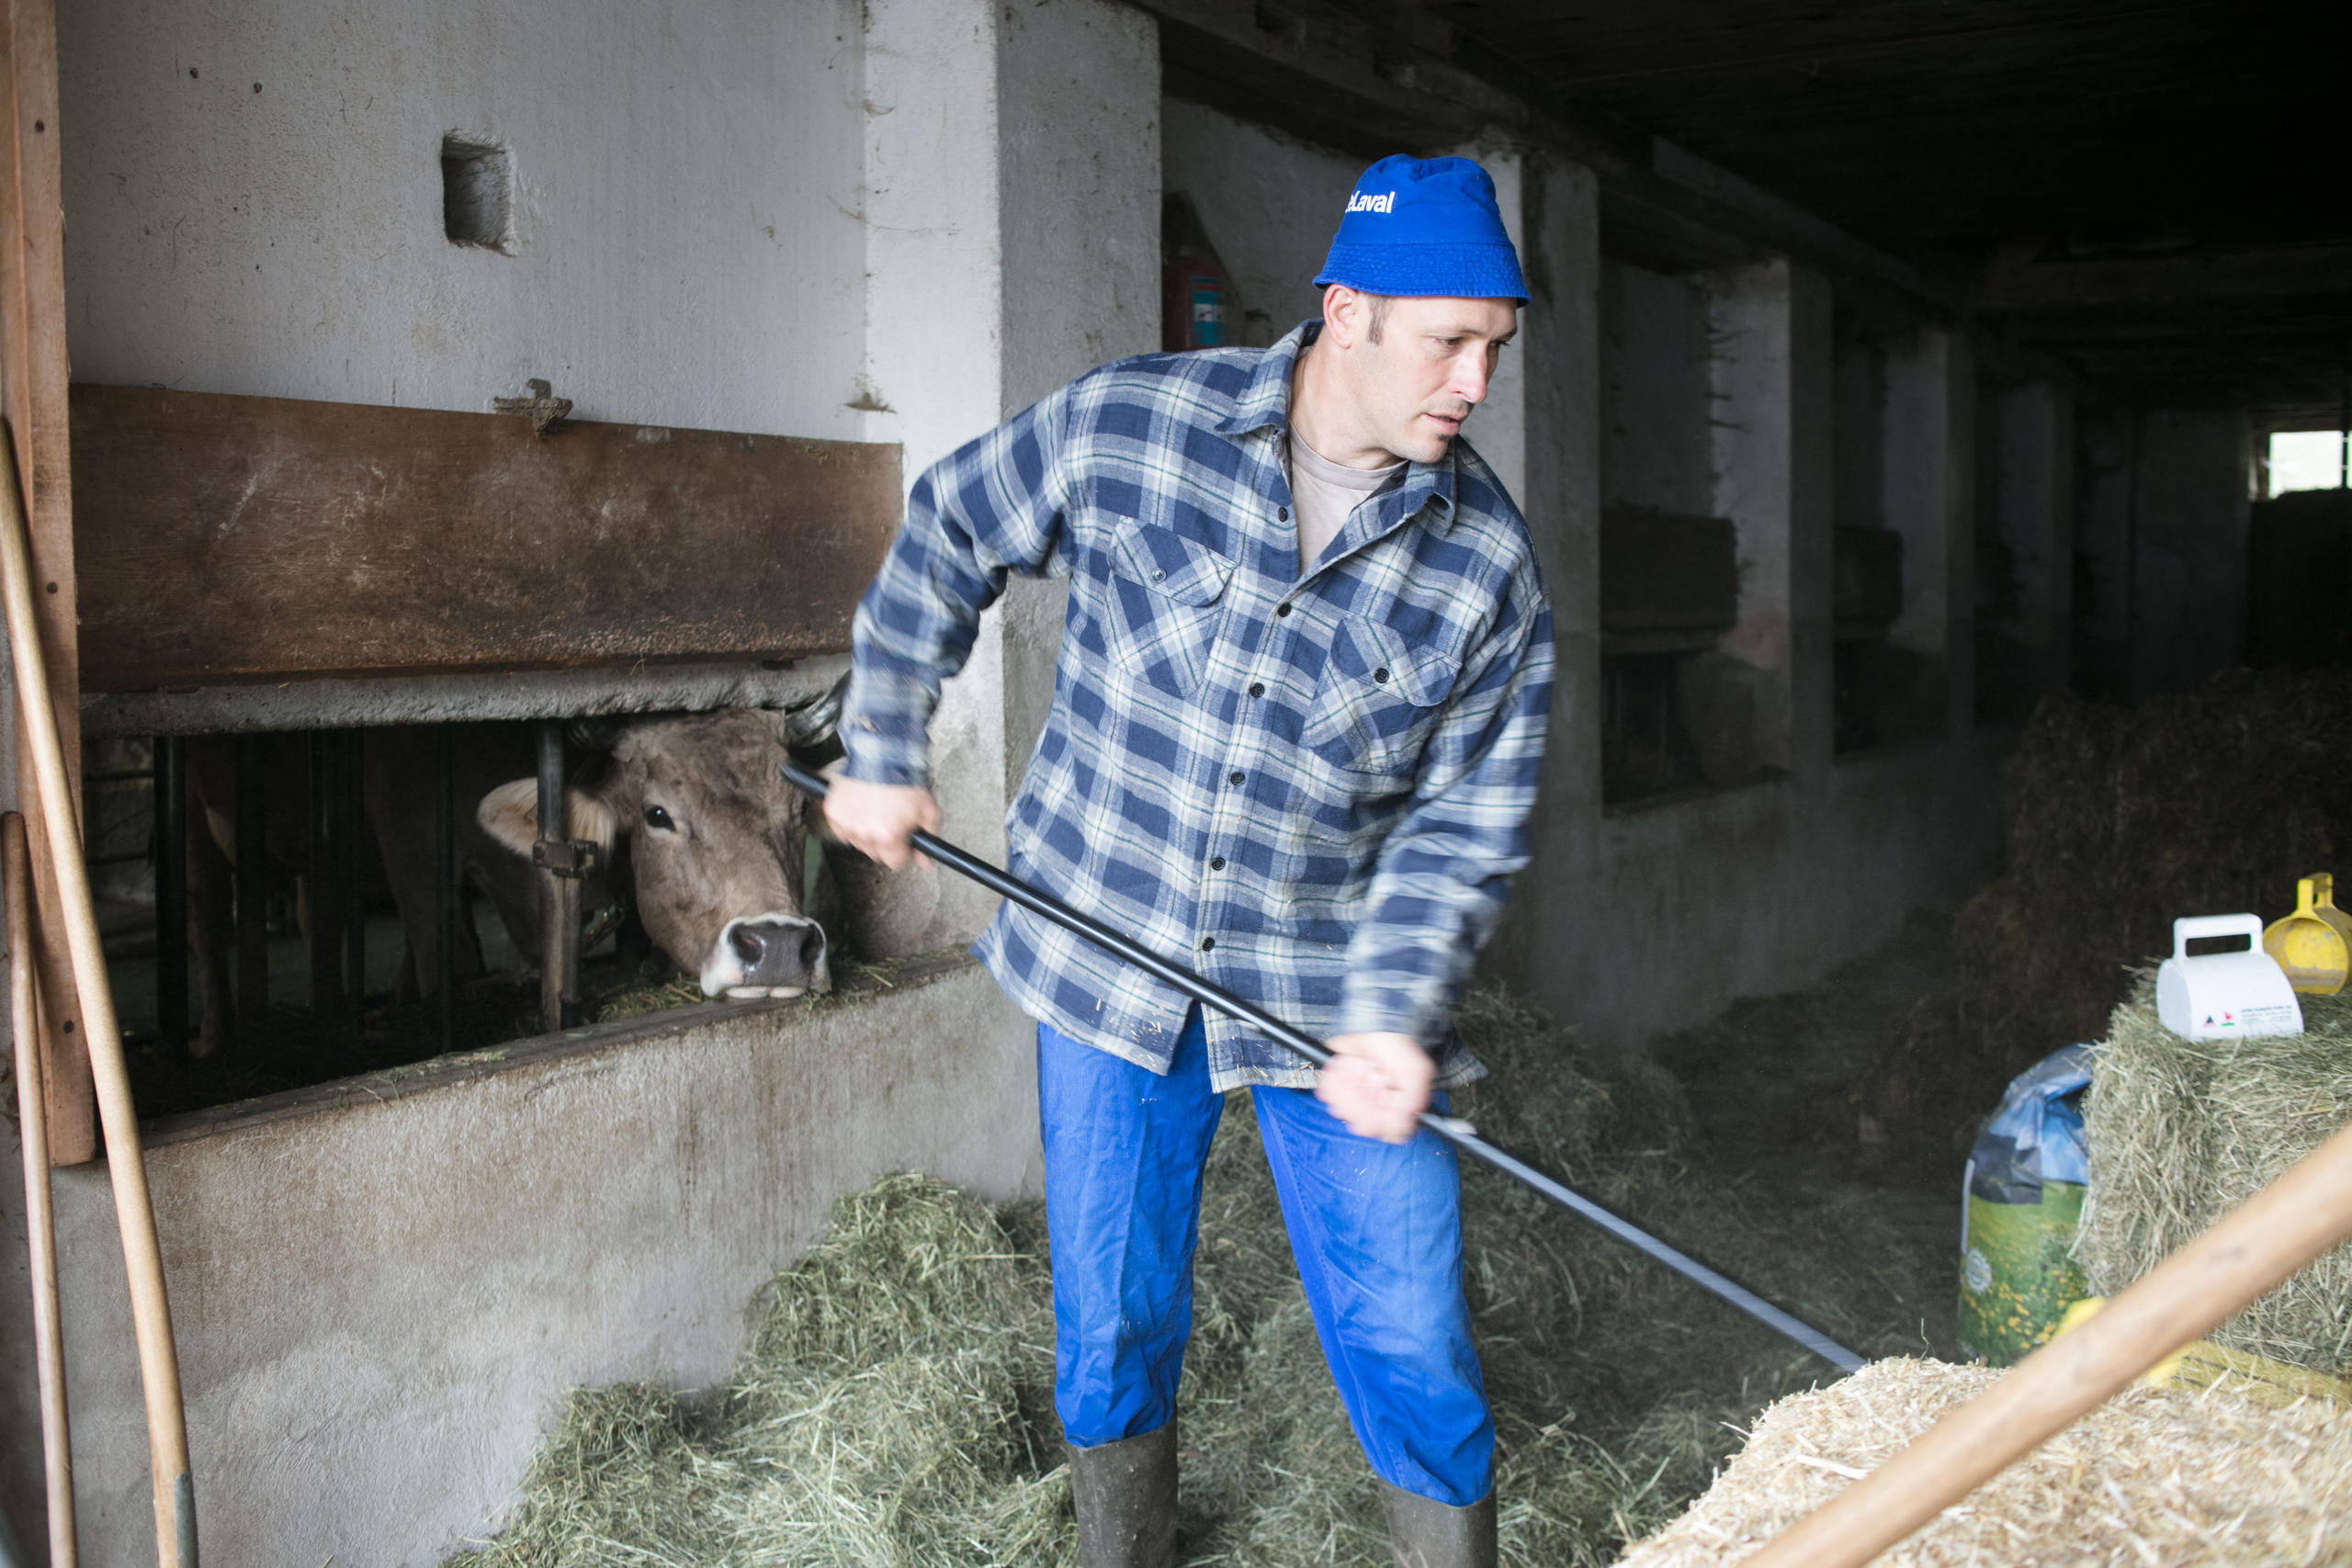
(1312, 786)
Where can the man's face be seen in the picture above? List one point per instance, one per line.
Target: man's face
(1431, 366)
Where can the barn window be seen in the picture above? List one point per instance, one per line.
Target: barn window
(477, 193)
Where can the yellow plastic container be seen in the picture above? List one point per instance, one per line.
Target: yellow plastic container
(2314, 945)
(2203, 1363)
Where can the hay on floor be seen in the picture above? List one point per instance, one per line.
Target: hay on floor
(2165, 1477)
(2181, 1132)
(896, 1405)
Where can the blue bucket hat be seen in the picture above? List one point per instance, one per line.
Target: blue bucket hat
(1421, 227)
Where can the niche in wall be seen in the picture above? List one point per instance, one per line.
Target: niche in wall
(477, 194)
(1680, 713)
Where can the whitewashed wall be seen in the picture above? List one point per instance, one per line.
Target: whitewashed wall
(253, 191)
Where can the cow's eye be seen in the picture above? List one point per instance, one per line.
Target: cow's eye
(657, 818)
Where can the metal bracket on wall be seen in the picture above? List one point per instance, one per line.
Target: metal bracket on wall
(545, 409)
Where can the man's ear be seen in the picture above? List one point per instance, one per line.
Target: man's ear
(509, 814)
(1344, 312)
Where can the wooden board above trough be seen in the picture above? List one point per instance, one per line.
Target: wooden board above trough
(223, 539)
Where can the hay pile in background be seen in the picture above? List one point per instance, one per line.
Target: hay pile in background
(2118, 820)
(2158, 1476)
(2181, 1132)
(896, 1404)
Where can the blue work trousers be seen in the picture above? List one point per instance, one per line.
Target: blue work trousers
(1375, 1228)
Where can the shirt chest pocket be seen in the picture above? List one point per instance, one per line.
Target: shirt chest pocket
(1164, 602)
(1379, 698)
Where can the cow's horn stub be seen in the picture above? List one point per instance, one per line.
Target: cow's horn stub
(595, 734)
(812, 725)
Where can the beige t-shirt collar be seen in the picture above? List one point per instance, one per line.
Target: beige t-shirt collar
(1325, 494)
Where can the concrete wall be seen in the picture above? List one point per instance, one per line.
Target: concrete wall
(1656, 358)
(1714, 393)
(253, 196)
(1268, 202)
(2160, 518)
(380, 1307)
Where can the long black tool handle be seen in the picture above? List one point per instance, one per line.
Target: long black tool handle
(1452, 1129)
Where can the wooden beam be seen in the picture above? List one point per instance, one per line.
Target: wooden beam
(231, 539)
(33, 398)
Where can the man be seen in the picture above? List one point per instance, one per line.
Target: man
(1294, 734)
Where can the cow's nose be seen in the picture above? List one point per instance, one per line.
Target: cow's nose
(778, 950)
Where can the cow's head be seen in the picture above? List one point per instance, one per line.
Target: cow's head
(716, 842)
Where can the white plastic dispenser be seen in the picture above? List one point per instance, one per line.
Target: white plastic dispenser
(2225, 994)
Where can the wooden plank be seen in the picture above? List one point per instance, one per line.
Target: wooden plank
(232, 538)
(33, 397)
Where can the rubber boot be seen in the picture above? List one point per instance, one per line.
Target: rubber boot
(1426, 1533)
(1125, 1494)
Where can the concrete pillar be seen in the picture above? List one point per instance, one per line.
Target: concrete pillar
(1078, 182)
(1555, 206)
(1012, 223)
(1924, 479)
(1499, 430)
(2190, 521)
(2033, 432)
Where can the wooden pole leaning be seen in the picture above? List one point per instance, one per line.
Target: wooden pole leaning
(40, 1228)
(2247, 1253)
(142, 1257)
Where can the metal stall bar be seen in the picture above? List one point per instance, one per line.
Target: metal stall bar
(170, 893)
(325, 939)
(250, 881)
(559, 868)
(355, 900)
(447, 889)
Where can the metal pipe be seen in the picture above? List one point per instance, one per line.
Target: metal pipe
(251, 882)
(355, 862)
(41, 1219)
(323, 941)
(445, 907)
(559, 895)
(1452, 1129)
(171, 893)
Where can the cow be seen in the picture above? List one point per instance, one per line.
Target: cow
(715, 840)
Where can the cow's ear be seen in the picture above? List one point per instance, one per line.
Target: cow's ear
(509, 814)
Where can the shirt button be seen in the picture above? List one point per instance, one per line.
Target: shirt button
(1381, 674)
(1257, 688)
(1281, 610)
(1216, 863)
(1281, 514)
(1234, 777)
(1207, 942)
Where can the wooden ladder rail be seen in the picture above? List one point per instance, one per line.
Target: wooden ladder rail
(151, 1312)
(41, 1219)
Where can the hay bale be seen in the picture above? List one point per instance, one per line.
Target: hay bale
(2181, 1132)
(2159, 1476)
(896, 1404)
(2118, 820)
